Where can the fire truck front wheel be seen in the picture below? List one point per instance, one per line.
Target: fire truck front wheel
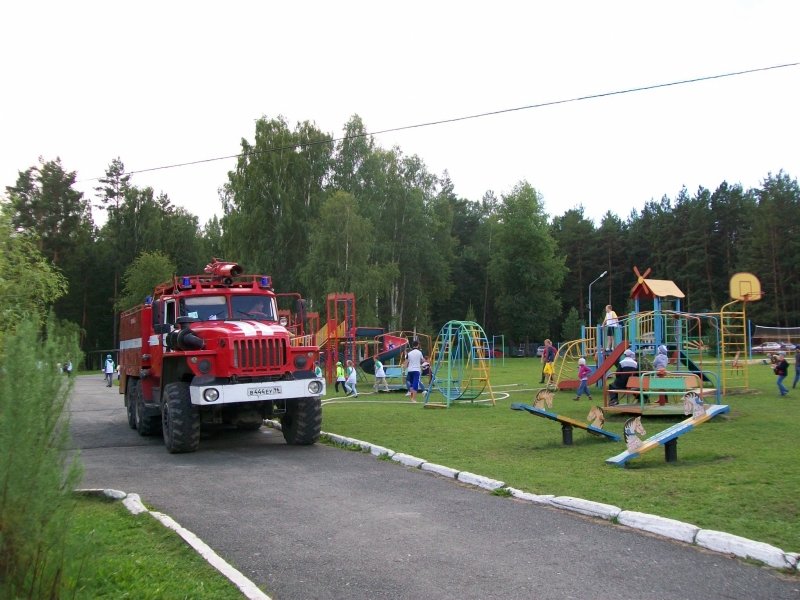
(180, 420)
(302, 422)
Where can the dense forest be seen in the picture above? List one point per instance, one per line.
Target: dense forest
(323, 215)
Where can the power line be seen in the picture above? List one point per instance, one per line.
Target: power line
(468, 117)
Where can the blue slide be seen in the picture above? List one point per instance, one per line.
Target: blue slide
(368, 364)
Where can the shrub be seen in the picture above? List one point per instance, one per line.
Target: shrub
(37, 474)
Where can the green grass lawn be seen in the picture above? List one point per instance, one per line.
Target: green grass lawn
(114, 554)
(737, 473)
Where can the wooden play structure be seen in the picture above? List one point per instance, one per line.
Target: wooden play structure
(461, 361)
(713, 347)
(341, 339)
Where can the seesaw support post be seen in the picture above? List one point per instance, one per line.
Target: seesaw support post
(566, 434)
(671, 450)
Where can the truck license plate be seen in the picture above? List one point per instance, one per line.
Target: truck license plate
(263, 392)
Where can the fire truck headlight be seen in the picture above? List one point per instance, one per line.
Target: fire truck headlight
(204, 366)
(300, 362)
(314, 388)
(211, 395)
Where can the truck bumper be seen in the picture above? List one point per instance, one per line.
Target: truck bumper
(210, 393)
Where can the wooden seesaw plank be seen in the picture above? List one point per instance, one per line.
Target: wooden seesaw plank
(565, 420)
(669, 434)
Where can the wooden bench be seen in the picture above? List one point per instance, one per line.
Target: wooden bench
(671, 384)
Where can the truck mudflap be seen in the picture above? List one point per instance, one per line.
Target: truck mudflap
(212, 393)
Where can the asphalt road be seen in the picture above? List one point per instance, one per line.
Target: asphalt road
(321, 523)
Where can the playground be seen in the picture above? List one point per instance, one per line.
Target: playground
(722, 407)
(732, 472)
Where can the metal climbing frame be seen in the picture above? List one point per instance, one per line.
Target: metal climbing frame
(461, 358)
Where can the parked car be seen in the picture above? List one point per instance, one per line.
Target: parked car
(767, 348)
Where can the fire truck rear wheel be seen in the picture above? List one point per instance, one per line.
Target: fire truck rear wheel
(180, 420)
(302, 422)
(130, 402)
(146, 425)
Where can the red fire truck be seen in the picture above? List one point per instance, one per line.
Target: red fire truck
(213, 349)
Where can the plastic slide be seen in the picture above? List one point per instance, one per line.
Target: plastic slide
(600, 372)
(368, 364)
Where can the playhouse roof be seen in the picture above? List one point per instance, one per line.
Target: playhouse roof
(656, 288)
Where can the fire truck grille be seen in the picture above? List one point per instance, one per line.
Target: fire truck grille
(259, 354)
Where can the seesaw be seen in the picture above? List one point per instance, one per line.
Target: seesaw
(567, 423)
(669, 437)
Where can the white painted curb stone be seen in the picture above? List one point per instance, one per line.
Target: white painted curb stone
(247, 587)
(479, 480)
(134, 504)
(439, 470)
(587, 507)
(528, 497)
(380, 451)
(339, 439)
(407, 459)
(720, 541)
(114, 494)
(670, 528)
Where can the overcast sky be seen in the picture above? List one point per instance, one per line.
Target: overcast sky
(159, 83)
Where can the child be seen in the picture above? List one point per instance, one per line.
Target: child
(350, 382)
(660, 363)
(317, 370)
(340, 377)
(108, 370)
(583, 375)
(425, 372)
(380, 376)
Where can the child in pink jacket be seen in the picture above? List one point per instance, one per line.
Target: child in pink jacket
(583, 375)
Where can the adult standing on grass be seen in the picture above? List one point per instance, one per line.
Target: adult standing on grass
(548, 358)
(413, 369)
(781, 370)
(108, 370)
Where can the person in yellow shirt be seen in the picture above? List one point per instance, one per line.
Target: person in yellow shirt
(340, 378)
(611, 324)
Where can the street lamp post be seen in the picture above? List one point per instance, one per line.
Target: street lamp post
(599, 277)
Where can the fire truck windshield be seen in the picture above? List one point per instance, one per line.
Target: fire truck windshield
(205, 308)
(253, 307)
